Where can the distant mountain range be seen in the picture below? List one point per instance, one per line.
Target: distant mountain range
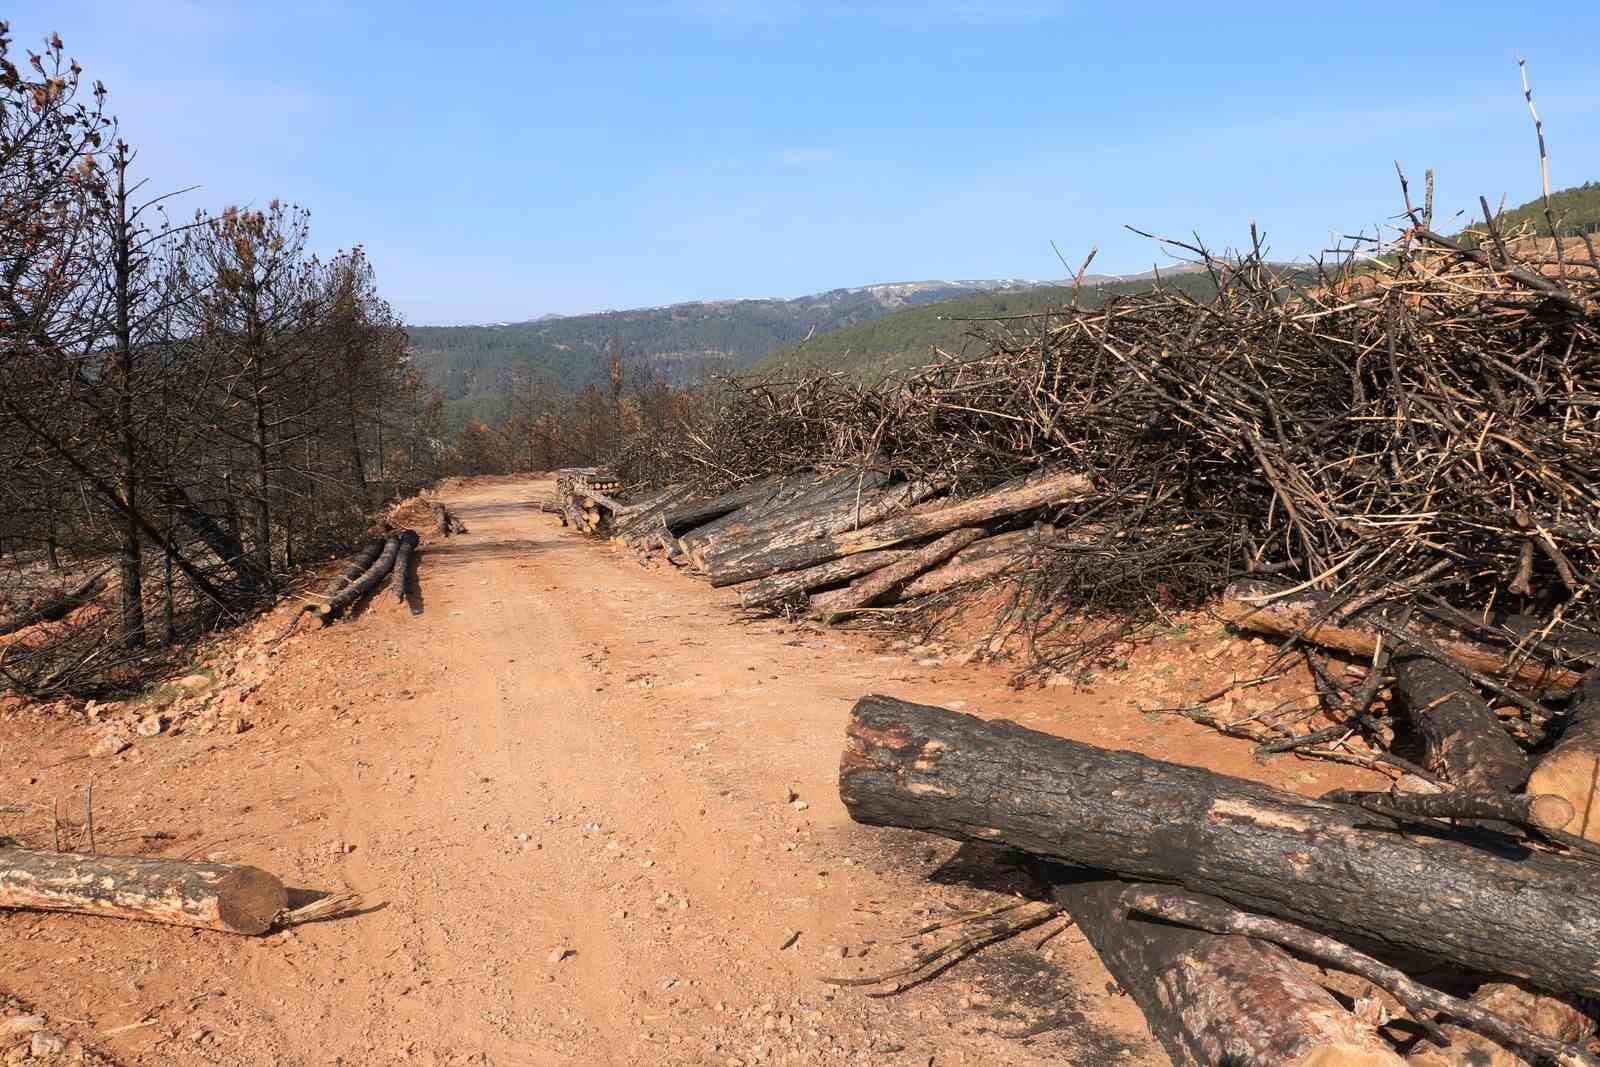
(866, 330)
(680, 344)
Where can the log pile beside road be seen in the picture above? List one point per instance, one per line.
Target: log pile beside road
(843, 544)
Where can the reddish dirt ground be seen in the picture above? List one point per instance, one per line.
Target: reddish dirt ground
(562, 782)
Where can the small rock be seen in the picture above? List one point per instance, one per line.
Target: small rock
(109, 746)
(799, 805)
(559, 954)
(45, 1044)
(149, 726)
(18, 1025)
(237, 726)
(194, 683)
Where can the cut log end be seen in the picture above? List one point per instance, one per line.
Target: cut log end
(1573, 778)
(249, 900)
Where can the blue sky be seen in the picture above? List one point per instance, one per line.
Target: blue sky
(503, 160)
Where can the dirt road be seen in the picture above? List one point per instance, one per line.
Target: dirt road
(564, 783)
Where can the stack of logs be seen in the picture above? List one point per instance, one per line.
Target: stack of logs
(382, 556)
(840, 544)
(583, 499)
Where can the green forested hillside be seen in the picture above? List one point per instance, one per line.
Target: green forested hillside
(478, 367)
(1576, 210)
(911, 337)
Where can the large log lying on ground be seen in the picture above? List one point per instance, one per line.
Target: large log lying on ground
(1466, 745)
(57, 607)
(1245, 604)
(978, 562)
(799, 513)
(369, 580)
(1571, 769)
(780, 495)
(850, 509)
(685, 516)
(778, 587)
(880, 583)
(1334, 867)
(1212, 1000)
(210, 896)
(1053, 488)
(402, 563)
(370, 550)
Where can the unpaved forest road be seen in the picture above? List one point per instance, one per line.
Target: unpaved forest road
(563, 751)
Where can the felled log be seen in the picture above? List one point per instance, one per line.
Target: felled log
(881, 582)
(369, 580)
(402, 563)
(644, 518)
(778, 493)
(1245, 605)
(1217, 917)
(370, 550)
(1466, 745)
(687, 515)
(802, 523)
(1053, 488)
(1329, 866)
(978, 562)
(1212, 1000)
(1571, 769)
(57, 607)
(789, 505)
(781, 586)
(210, 896)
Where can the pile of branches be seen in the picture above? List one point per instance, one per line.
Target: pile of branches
(1419, 415)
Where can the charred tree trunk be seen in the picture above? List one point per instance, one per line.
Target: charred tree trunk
(1212, 1000)
(1465, 742)
(1048, 489)
(209, 896)
(369, 580)
(1325, 865)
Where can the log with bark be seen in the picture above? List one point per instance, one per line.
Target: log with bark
(1331, 866)
(989, 558)
(813, 520)
(686, 515)
(1465, 743)
(1571, 769)
(210, 896)
(1254, 604)
(791, 510)
(1052, 488)
(880, 583)
(1214, 999)
(402, 563)
(780, 587)
(369, 580)
(55, 608)
(1517, 809)
(370, 550)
